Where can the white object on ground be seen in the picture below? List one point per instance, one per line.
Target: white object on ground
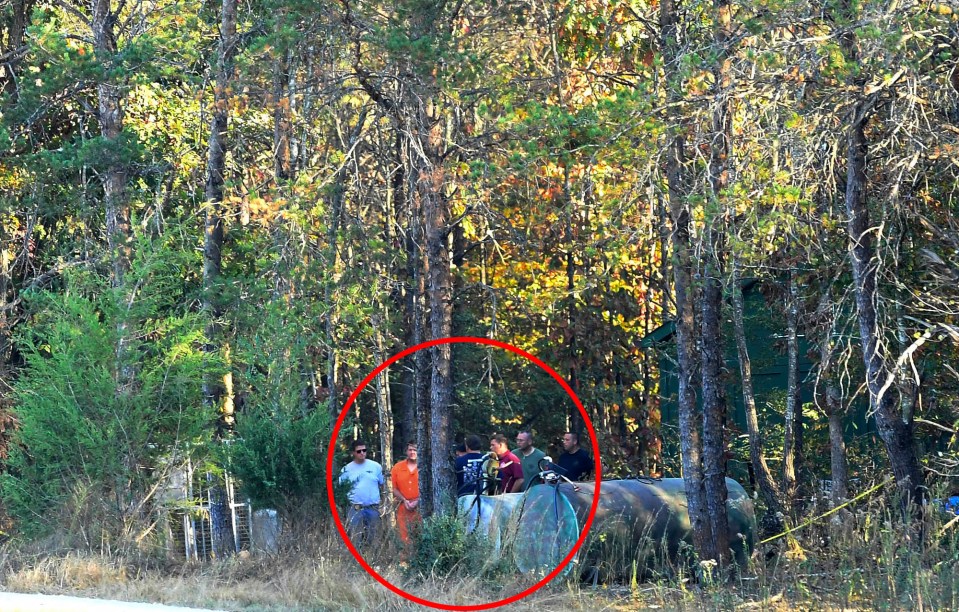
(30, 602)
(265, 530)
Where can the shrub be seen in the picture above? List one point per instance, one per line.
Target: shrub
(281, 431)
(276, 457)
(443, 548)
(93, 423)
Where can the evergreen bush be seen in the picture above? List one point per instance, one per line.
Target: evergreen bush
(281, 430)
(94, 425)
(444, 548)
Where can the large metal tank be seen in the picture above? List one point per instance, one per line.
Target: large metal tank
(493, 516)
(641, 525)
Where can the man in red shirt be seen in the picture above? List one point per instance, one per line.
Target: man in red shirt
(510, 470)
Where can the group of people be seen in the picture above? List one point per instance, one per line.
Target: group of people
(366, 479)
(514, 471)
(499, 471)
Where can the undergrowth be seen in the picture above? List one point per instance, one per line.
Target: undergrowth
(863, 559)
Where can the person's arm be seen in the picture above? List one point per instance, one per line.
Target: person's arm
(517, 471)
(588, 473)
(381, 482)
(408, 504)
(396, 488)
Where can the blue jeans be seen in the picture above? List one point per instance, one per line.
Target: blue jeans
(362, 525)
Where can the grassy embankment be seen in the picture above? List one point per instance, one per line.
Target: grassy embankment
(863, 561)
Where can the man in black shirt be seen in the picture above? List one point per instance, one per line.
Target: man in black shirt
(575, 463)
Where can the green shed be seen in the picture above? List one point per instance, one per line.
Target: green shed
(766, 342)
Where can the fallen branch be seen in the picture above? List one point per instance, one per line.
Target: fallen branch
(936, 425)
(831, 512)
(760, 604)
(948, 525)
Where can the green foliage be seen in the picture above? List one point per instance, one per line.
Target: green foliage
(281, 429)
(443, 548)
(87, 444)
(277, 456)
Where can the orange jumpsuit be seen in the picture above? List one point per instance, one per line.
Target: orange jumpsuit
(408, 484)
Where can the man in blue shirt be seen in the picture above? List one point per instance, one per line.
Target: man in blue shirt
(366, 478)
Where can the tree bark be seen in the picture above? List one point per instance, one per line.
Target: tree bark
(831, 403)
(16, 28)
(894, 428)
(214, 389)
(774, 520)
(384, 406)
(436, 210)
(117, 211)
(574, 421)
(397, 216)
(421, 362)
(792, 390)
(712, 353)
(714, 413)
(838, 464)
(337, 197)
(896, 433)
(689, 423)
(283, 167)
(110, 107)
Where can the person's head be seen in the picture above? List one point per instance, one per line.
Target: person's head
(473, 443)
(524, 440)
(359, 451)
(498, 445)
(411, 451)
(570, 441)
(460, 450)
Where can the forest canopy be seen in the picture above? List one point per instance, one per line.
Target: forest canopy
(216, 219)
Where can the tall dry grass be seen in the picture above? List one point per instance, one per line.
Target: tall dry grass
(867, 560)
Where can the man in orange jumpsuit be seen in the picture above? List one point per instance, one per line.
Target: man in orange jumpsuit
(406, 487)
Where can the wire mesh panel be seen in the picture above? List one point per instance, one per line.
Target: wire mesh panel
(208, 522)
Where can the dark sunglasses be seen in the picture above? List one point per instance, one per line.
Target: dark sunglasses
(360, 450)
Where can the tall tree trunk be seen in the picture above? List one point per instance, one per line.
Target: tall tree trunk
(421, 359)
(831, 402)
(894, 429)
(283, 167)
(436, 211)
(839, 467)
(574, 421)
(395, 217)
(896, 433)
(714, 412)
(712, 350)
(116, 207)
(13, 51)
(689, 439)
(110, 107)
(384, 406)
(792, 389)
(214, 390)
(689, 422)
(405, 193)
(774, 519)
(348, 139)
